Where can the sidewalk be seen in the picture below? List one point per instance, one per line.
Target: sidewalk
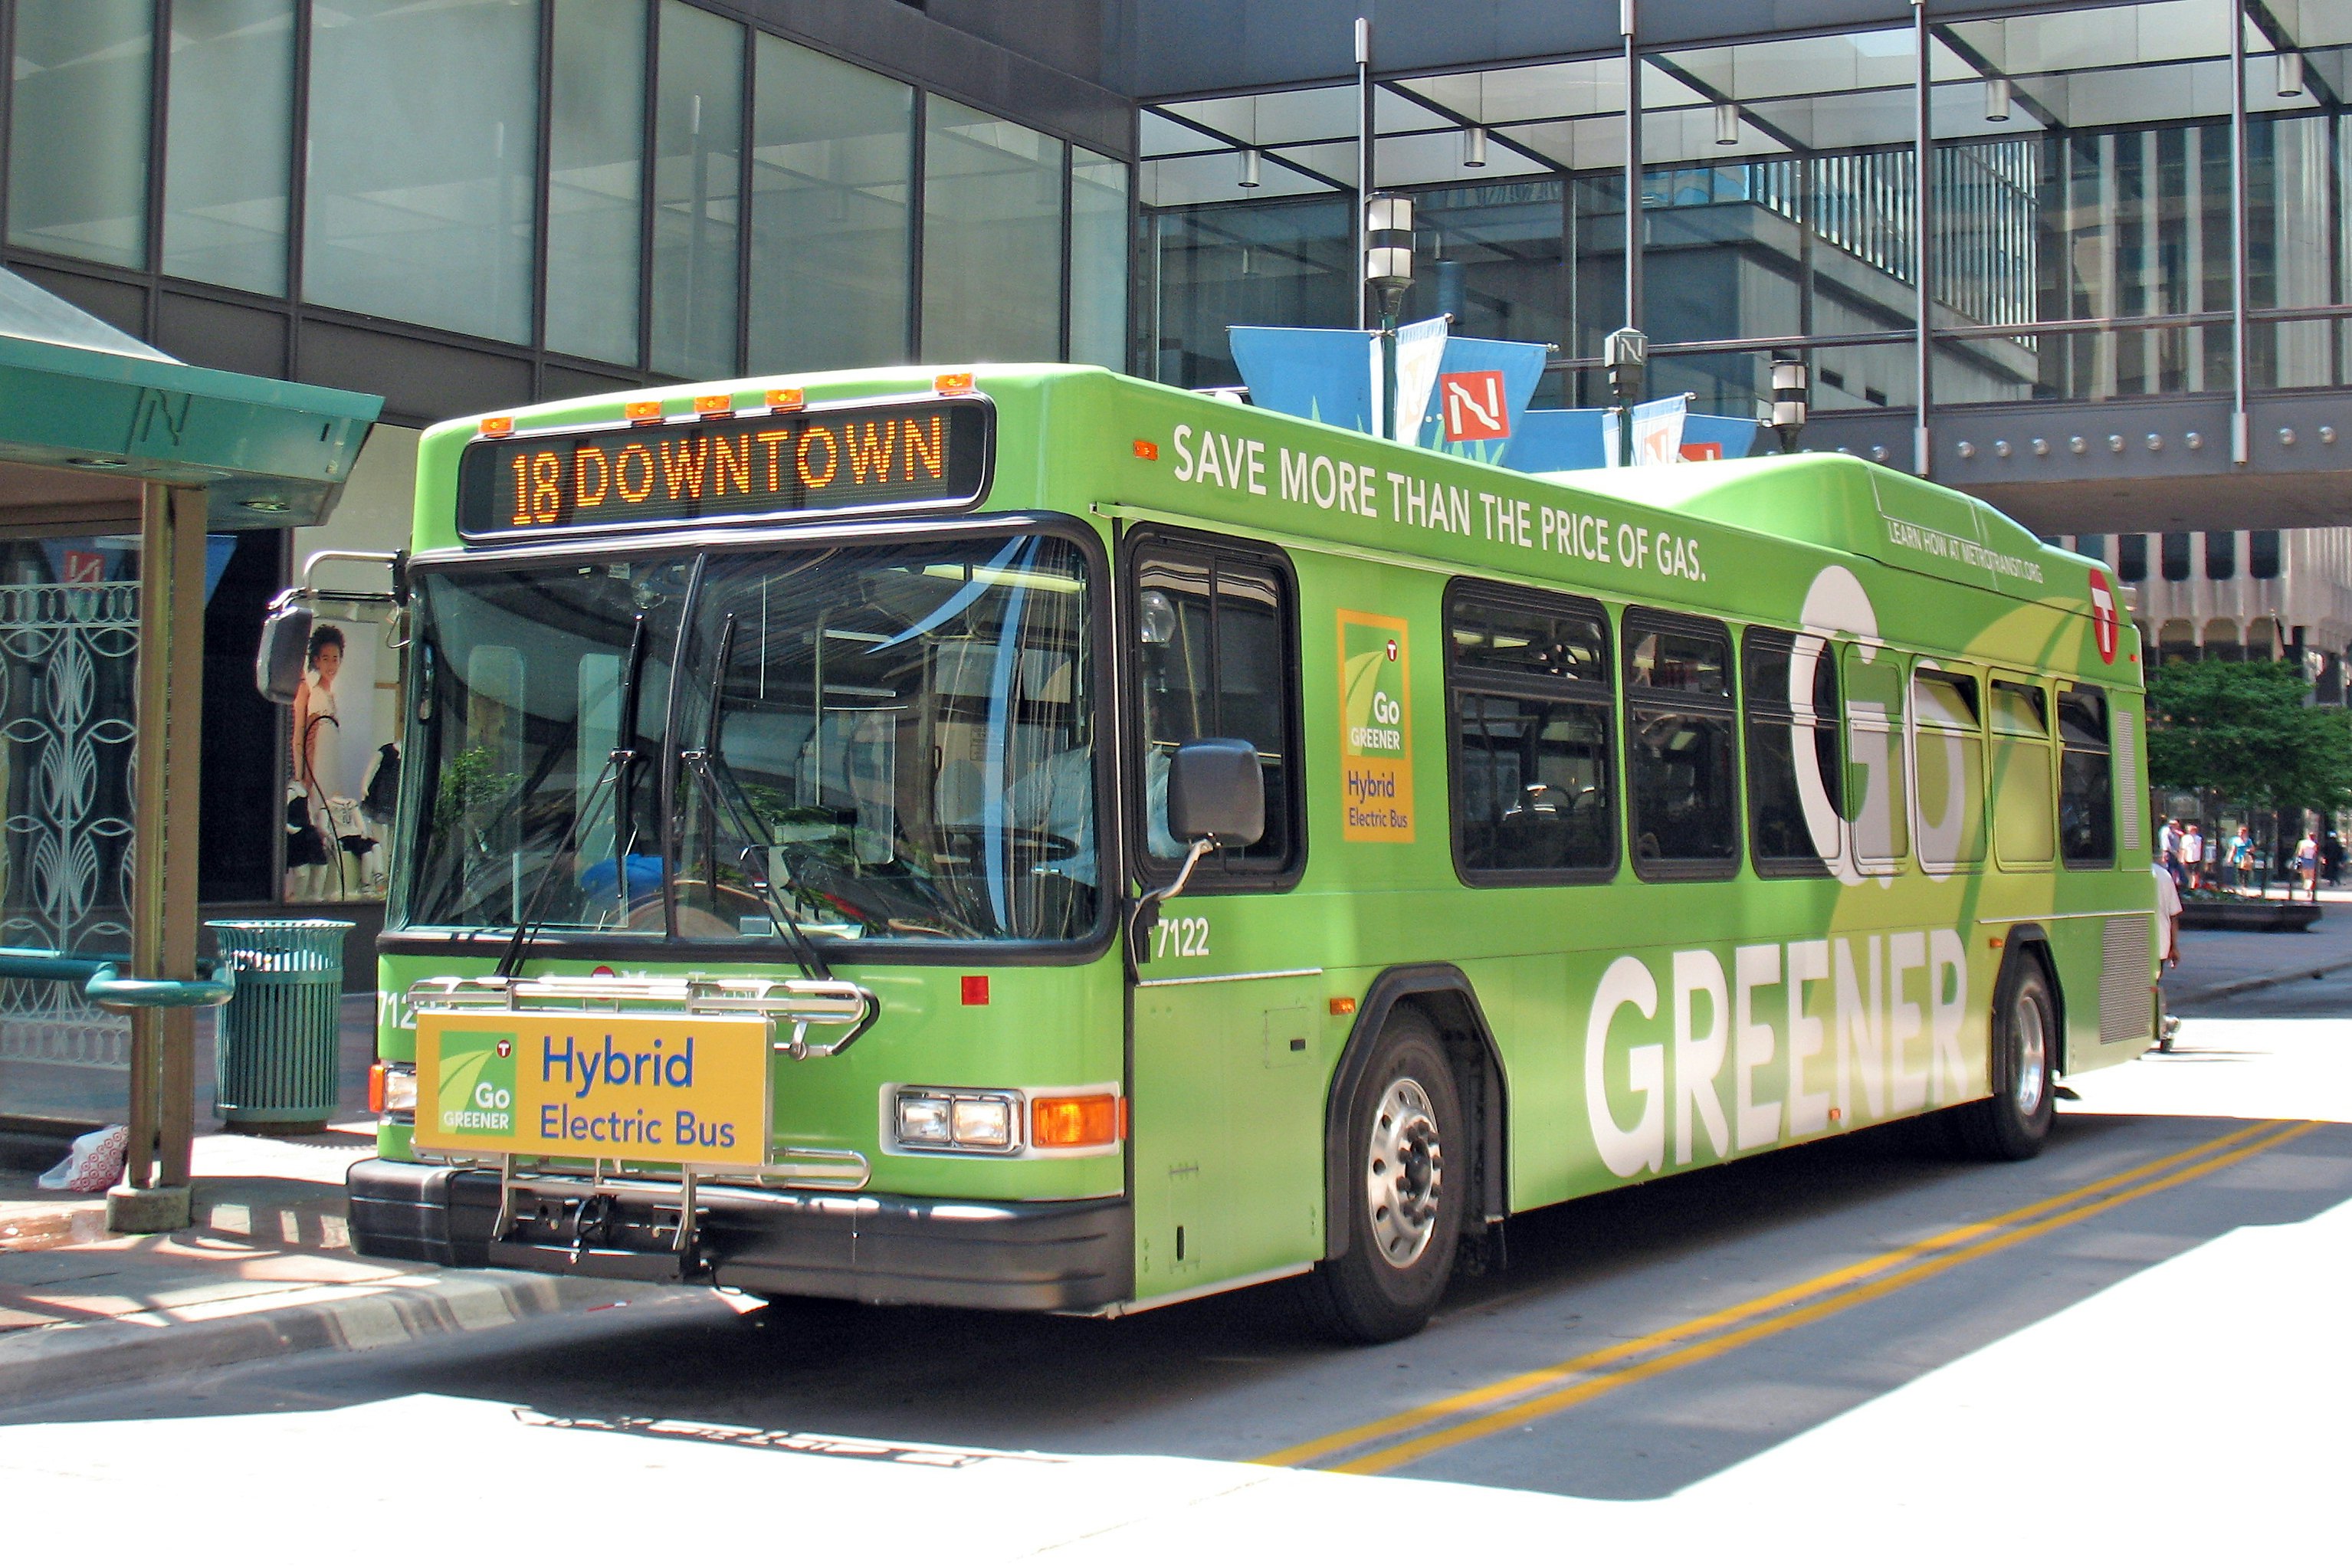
(2227, 962)
(265, 1270)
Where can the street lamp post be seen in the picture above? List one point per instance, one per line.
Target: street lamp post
(1388, 267)
(1791, 393)
(1627, 354)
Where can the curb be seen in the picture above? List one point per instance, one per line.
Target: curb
(2255, 982)
(66, 1359)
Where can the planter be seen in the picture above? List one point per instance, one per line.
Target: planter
(2200, 914)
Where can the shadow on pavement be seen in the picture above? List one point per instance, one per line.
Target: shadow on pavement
(1243, 1374)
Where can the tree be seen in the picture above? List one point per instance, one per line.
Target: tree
(2247, 733)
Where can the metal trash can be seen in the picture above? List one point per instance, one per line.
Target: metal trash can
(275, 1055)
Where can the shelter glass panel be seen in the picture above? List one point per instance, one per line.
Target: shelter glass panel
(69, 677)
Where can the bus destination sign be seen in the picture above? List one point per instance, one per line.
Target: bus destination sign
(751, 467)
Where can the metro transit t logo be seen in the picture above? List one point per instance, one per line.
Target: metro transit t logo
(1475, 410)
(2103, 621)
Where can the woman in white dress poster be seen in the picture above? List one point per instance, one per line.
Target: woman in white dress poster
(314, 864)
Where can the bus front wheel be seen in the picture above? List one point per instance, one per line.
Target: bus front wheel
(2015, 1120)
(1401, 1200)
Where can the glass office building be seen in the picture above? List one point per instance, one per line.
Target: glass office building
(559, 195)
(2118, 304)
(473, 203)
(2078, 233)
(2088, 260)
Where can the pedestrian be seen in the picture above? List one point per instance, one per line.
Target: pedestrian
(2192, 854)
(2306, 863)
(2242, 858)
(2167, 945)
(2331, 857)
(2167, 848)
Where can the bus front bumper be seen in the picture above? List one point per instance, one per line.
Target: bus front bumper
(1068, 1257)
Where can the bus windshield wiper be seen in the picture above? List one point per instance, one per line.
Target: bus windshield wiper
(614, 776)
(724, 792)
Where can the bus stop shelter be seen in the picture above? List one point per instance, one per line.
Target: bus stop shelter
(111, 452)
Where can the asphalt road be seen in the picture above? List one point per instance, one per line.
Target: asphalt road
(2132, 1344)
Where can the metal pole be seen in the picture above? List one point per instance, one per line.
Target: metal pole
(2241, 423)
(1364, 162)
(1633, 166)
(1922, 453)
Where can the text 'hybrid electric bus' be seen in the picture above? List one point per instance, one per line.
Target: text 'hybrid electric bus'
(1034, 838)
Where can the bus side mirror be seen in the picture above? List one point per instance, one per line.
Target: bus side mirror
(277, 664)
(1217, 789)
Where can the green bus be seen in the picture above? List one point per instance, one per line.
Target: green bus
(1028, 838)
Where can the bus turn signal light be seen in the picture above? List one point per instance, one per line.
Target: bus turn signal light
(1072, 1122)
(958, 383)
(644, 413)
(498, 425)
(1148, 450)
(391, 1088)
(786, 397)
(1342, 1005)
(716, 403)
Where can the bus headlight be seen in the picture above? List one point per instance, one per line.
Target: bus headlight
(392, 1089)
(984, 1123)
(981, 1121)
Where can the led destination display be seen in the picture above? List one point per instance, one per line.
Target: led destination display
(752, 467)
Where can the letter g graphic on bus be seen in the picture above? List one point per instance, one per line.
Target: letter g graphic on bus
(1643, 1146)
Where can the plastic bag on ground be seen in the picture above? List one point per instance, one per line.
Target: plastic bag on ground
(93, 1164)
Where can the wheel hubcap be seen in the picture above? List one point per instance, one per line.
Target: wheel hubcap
(1404, 1173)
(2032, 1056)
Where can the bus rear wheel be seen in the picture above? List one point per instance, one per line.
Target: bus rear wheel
(1400, 1202)
(2015, 1122)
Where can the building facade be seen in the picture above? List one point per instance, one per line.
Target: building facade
(2118, 304)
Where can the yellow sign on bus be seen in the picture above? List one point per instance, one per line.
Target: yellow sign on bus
(646, 1087)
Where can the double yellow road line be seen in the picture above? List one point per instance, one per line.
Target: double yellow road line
(1394, 1441)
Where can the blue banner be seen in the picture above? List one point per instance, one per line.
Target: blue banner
(1549, 440)
(1727, 437)
(1462, 414)
(1323, 373)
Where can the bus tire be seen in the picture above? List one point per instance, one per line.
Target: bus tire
(2014, 1122)
(1408, 1163)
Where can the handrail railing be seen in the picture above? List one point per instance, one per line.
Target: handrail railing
(105, 985)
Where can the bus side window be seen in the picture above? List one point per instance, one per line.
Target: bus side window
(1528, 688)
(2024, 818)
(1679, 715)
(1216, 658)
(1877, 803)
(2087, 779)
(1947, 752)
(1795, 801)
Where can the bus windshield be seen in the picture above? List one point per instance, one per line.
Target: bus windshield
(892, 741)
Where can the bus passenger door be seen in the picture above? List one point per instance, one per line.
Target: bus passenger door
(1227, 1100)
